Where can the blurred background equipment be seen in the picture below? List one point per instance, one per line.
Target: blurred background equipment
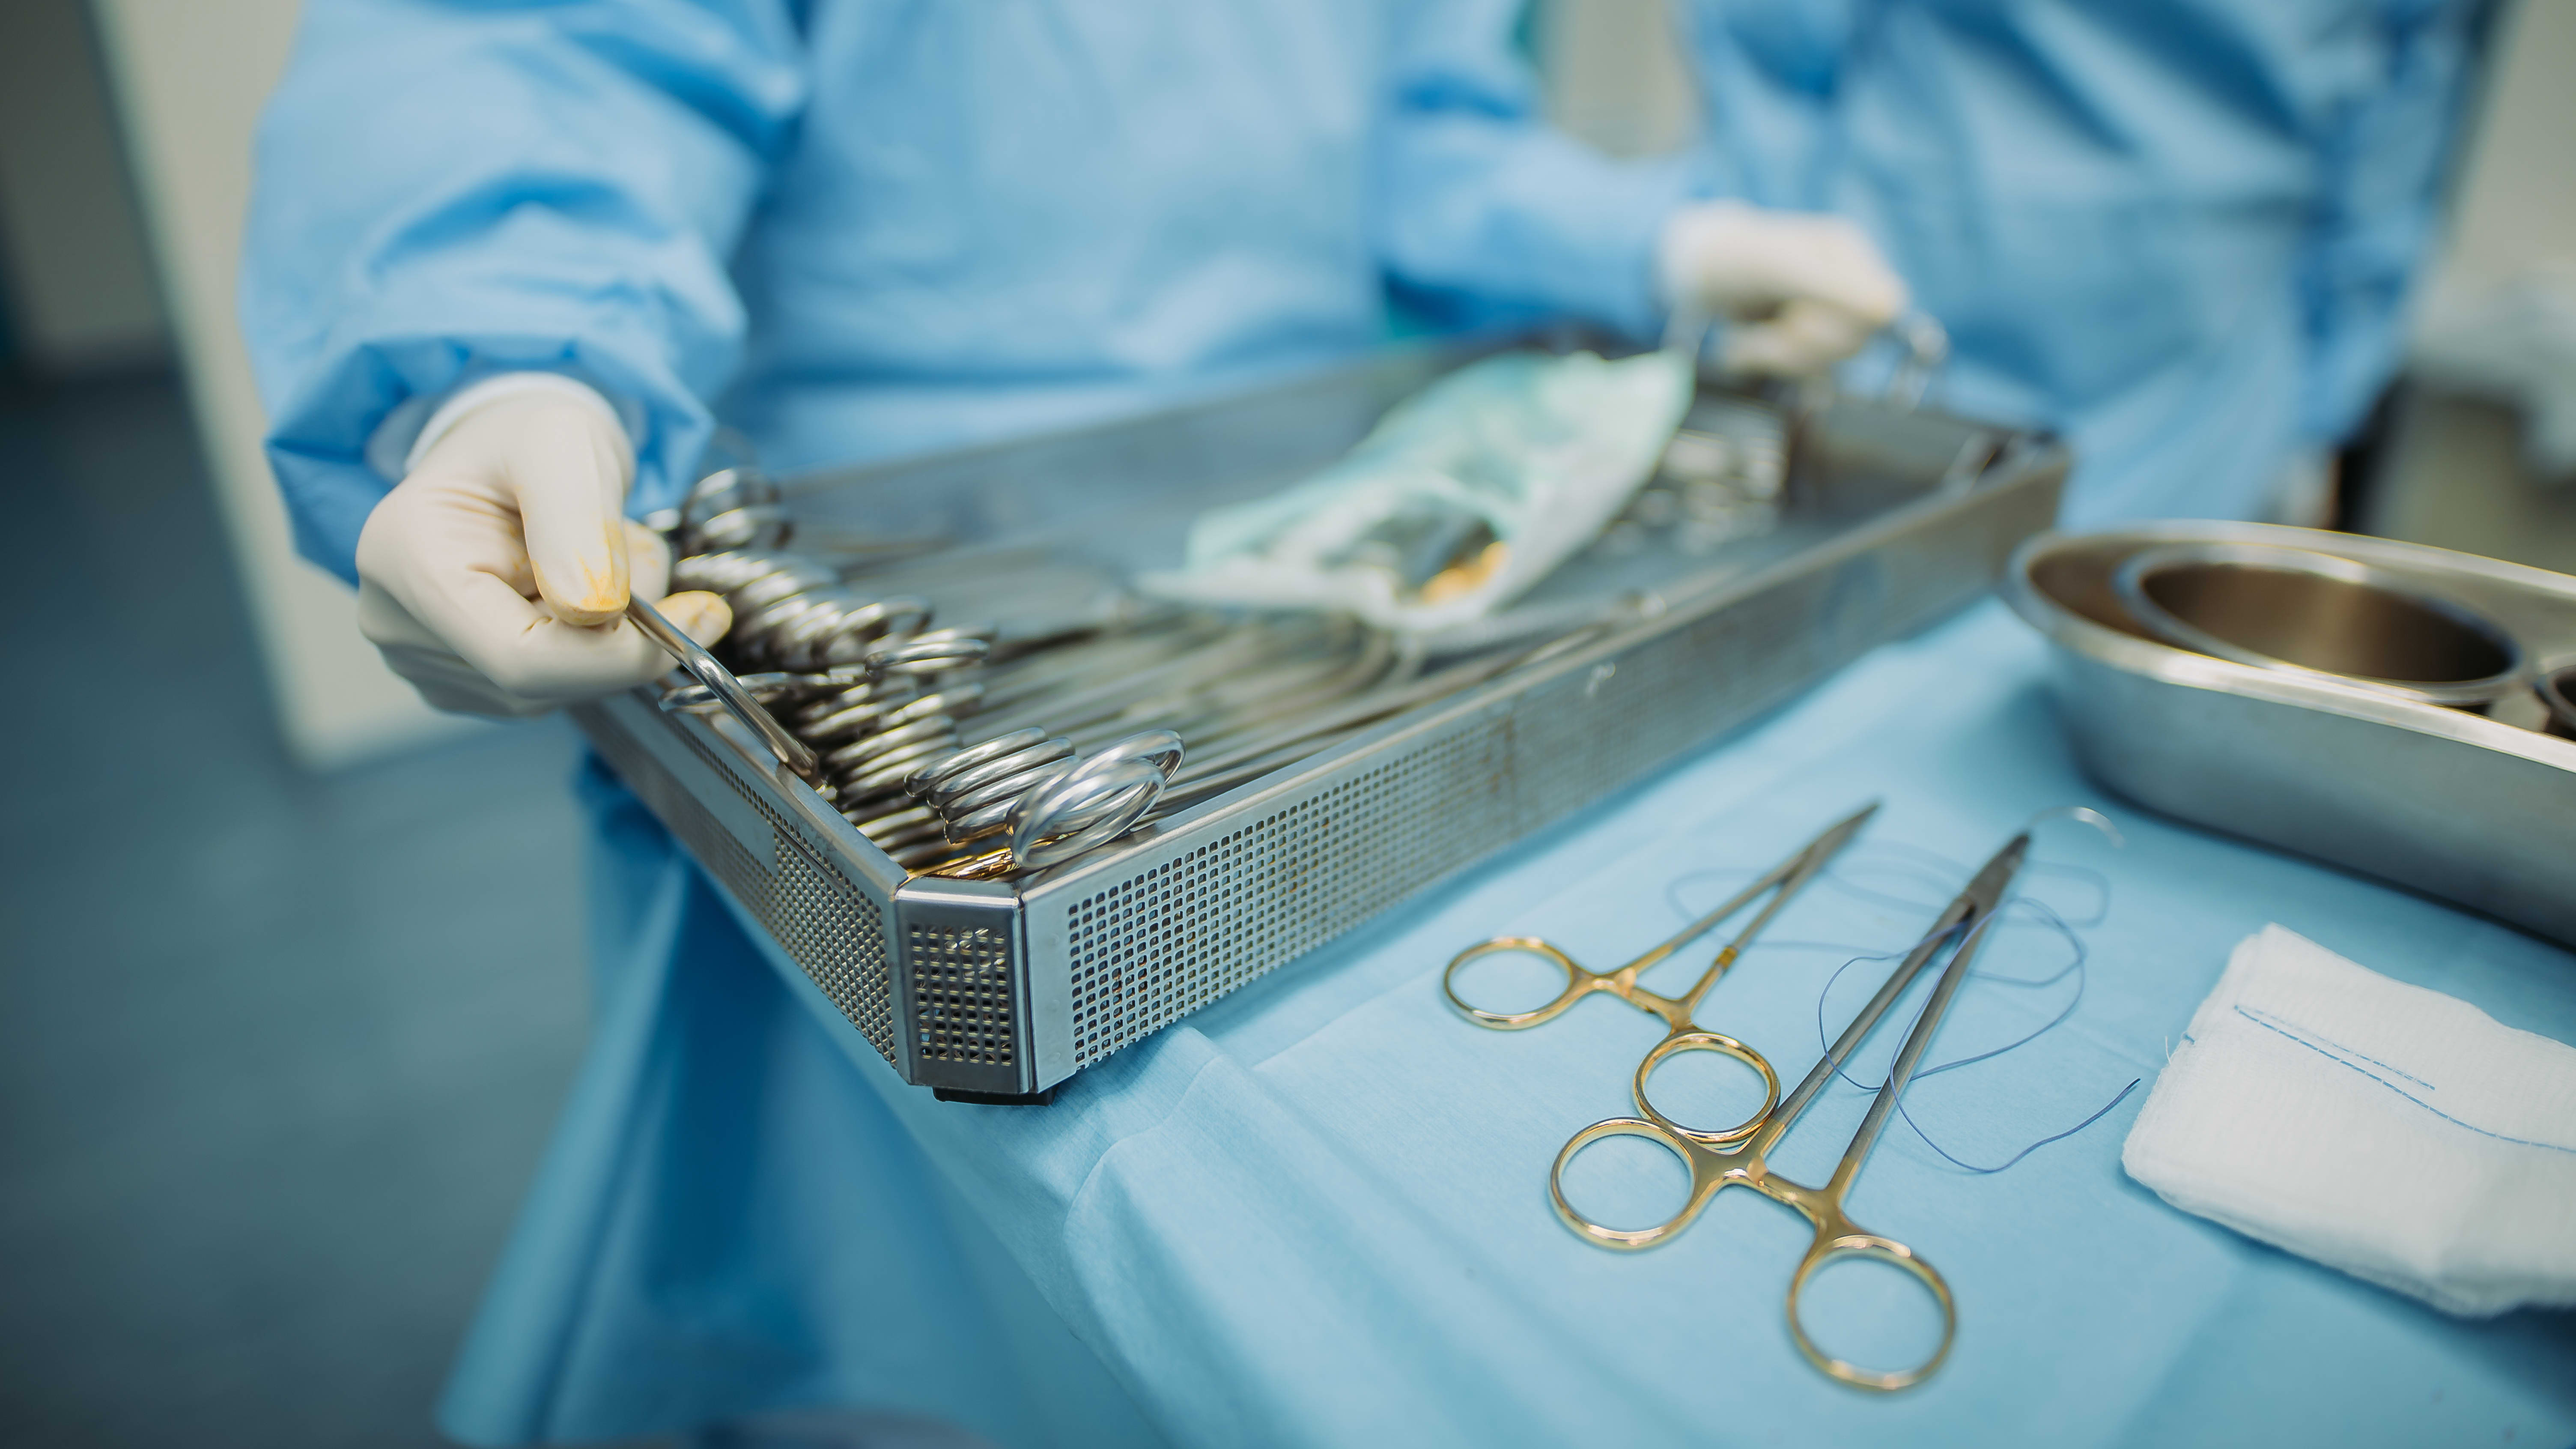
(2475, 447)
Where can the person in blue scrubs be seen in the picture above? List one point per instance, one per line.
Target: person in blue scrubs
(2183, 233)
(509, 262)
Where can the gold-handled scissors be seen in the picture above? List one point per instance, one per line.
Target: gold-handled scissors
(1683, 1034)
(1714, 1168)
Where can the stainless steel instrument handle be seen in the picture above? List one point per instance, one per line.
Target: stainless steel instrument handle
(1927, 350)
(791, 751)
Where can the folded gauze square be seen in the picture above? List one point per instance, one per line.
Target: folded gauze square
(2395, 1133)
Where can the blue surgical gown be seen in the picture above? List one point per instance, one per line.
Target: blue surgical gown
(2182, 232)
(877, 228)
(854, 229)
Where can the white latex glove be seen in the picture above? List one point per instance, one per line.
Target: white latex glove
(495, 577)
(1803, 290)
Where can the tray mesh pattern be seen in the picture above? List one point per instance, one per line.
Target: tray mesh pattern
(816, 915)
(961, 994)
(1172, 938)
(1587, 736)
(1175, 936)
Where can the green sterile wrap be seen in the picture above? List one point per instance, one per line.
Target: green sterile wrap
(1460, 499)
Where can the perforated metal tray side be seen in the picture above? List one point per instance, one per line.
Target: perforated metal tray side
(827, 910)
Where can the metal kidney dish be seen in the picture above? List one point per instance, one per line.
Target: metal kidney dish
(2396, 709)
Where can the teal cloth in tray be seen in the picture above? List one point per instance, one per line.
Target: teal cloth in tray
(1315, 1213)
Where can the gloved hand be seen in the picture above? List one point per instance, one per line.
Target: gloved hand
(495, 577)
(1803, 290)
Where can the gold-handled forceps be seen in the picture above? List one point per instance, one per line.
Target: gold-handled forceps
(1682, 1034)
(1714, 1168)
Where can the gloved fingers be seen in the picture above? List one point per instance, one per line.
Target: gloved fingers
(496, 577)
(648, 562)
(1829, 260)
(487, 650)
(1747, 262)
(568, 472)
(532, 655)
(1802, 339)
(449, 684)
(702, 616)
(550, 662)
(442, 677)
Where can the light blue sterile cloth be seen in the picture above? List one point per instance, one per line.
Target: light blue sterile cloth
(1315, 1213)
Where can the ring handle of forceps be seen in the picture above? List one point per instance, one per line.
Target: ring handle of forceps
(1579, 983)
(1838, 1238)
(1696, 1040)
(1705, 1179)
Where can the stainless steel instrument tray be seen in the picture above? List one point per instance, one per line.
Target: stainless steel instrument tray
(2436, 799)
(1001, 989)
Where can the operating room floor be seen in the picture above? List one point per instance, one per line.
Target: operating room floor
(277, 1051)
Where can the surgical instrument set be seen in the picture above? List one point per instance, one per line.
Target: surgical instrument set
(928, 751)
(1328, 772)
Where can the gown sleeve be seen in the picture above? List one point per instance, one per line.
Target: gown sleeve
(1479, 196)
(2387, 160)
(445, 191)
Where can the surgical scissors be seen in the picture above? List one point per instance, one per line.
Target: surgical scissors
(1683, 1034)
(1713, 1169)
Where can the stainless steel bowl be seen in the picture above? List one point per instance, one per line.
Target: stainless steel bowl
(2440, 800)
(2317, 613)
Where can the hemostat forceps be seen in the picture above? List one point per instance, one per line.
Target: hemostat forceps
(1684, 1035)
(1716, 1168)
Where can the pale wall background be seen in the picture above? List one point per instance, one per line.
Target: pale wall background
(95, 263)
(185, 79)
(189, 77)
(73, 273)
